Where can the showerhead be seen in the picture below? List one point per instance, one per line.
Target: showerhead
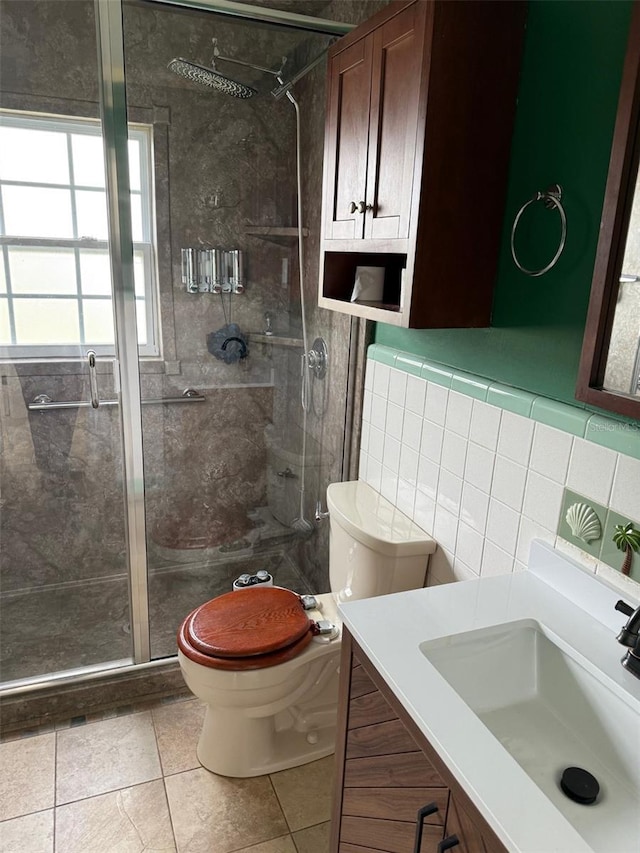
(208, 77)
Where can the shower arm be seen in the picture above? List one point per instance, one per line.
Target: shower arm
(218, 56)
(283, 88)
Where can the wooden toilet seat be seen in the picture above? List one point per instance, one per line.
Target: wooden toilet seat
(246, 629)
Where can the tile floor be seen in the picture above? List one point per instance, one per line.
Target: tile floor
(132, 783)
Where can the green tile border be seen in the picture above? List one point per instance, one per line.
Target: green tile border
(409, 363)
(471, 385)
(559, 415)
(512, 399)
(621, 436)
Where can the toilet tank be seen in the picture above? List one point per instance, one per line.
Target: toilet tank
(374, 549)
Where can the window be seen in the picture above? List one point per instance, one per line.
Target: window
(55, 280)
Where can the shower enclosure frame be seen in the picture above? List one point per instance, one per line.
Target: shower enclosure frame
(113, 108)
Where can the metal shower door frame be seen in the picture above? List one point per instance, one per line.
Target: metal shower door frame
(113, 108)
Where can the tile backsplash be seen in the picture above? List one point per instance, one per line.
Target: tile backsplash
(483, 468)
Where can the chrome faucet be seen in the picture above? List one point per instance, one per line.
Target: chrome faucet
(630, 636)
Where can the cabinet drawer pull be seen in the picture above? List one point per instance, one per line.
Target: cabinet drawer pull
(448, 843)
(425, 811)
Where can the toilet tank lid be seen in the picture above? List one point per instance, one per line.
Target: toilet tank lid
(375, 522)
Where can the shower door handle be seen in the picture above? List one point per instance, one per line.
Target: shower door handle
(93, 379)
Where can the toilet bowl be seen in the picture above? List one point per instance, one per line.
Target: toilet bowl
(266, 669)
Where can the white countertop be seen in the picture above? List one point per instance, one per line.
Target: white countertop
(575, 605)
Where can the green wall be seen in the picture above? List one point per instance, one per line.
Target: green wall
(567, 102)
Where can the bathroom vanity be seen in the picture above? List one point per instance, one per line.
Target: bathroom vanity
(397, 795)
(462, 706)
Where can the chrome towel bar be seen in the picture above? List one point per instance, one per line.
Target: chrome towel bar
(43, 402)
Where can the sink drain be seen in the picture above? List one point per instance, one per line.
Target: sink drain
(580, 785)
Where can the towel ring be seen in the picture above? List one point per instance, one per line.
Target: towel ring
(551, 199)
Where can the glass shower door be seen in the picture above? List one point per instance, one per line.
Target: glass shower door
(64, 550)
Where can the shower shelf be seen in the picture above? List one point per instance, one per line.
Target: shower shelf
(275, 234)
(275, 340)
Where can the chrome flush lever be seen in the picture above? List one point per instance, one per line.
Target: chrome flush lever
(93, 379)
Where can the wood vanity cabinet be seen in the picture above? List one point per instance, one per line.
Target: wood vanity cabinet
(389, 781)
(420, 110)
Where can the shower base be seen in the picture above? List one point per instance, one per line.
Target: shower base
(65, 626)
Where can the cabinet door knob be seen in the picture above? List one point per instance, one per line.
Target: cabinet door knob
(448, 843)
(363, 207)
(353, 207)
(425, 811)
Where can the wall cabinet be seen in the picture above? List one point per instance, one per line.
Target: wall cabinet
(393, 794)
(421, 102)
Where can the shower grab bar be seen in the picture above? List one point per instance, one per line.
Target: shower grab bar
(93, 379)
(43, 402)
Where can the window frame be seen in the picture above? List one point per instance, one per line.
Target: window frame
(147, 248)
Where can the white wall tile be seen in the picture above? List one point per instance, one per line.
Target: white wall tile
(428, 473)
(542, 500)
(364, 436)
(591, 470)
(495, 561)
(459, 413)
(368, 375)
(389, 484)
(488, 483)
(412, 430)
(435, 407)
(406, 498)
(469, 547)
(441, 565)
(424, 512)
(462, 572)
(515, 437)
(394, 421)
(530, 530)
(478, 468)
(485, 424)
(378, 411)
(454, 452)
(551, 452)
(502, 526)
(376, 443)
(431, 441)
(391, 457)
(416, 394)
(625, 496)
(409, 465)
(449, 491)
(366, 406)
(445, 528)
(508, 482)
(374, 473)
(362, 465)
(474, 507)
(381, 375)
(397, 386)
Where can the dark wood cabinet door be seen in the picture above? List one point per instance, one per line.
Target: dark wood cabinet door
(347, 141)
(398, 60)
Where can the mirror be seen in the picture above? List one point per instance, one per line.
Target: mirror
(609, 374)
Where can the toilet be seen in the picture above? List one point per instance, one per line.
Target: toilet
(266, 668)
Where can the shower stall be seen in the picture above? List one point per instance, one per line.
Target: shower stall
(143, 463)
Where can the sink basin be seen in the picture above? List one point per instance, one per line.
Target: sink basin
(551, 708)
